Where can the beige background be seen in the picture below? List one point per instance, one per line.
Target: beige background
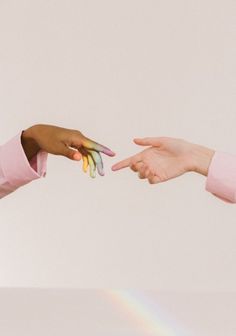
(49, 312)
(116, 70)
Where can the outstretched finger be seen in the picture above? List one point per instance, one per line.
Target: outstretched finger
(90, 144)
(122, 164)
(157, 142)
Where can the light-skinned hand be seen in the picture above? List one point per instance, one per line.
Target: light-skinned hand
(166, 158)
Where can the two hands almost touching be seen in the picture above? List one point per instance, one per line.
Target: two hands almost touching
(166, 158)
(162, 159)
(66, 142)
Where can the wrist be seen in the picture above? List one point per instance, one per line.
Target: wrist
(200, 159)
(29, 143)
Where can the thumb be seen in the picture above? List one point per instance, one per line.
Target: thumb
(70, 153)
(157, 142)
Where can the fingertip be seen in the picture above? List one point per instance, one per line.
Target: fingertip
(141, 142)
(121, 165)
(85, 169)
(114, 168)
(109, 152)
(92, 173)
(100, 170)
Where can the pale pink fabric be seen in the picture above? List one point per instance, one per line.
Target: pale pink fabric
(221, 180)
(15, 169)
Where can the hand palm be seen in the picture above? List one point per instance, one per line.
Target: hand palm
(164, 163)
(165, 158)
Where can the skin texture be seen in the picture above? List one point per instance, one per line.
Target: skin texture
(69, 143)
(167, 158)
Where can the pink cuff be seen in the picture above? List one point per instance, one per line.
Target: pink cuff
(15, 165)
(221, 180)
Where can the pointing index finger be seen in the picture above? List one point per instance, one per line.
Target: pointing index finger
(122, 164)
(90, 144)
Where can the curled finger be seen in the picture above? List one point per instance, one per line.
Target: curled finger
(92, 166)
(85, 163)
(136, 166)
(97, 158)
(153, 179)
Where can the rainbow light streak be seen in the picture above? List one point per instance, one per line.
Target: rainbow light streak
(145, 313)
(91, 155)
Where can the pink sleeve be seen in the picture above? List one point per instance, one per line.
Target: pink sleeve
(15, 169)
(221, 180)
